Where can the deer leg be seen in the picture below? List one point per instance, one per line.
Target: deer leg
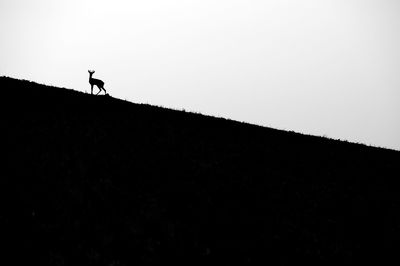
(104, 90)
(99, 90)
(91, 89)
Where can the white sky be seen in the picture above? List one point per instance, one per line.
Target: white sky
(321, 67)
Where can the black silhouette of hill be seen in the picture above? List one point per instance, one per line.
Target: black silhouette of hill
(94, 180)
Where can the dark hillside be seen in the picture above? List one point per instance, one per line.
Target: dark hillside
(93, 180)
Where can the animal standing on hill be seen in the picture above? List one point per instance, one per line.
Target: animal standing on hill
(97, 82)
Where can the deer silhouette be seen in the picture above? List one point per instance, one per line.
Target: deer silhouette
(97, 82)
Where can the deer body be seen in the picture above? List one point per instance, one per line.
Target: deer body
(99, 83)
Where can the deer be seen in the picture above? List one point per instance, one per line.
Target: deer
(97, 82)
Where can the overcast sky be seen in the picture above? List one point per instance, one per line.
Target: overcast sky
(320, 67)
